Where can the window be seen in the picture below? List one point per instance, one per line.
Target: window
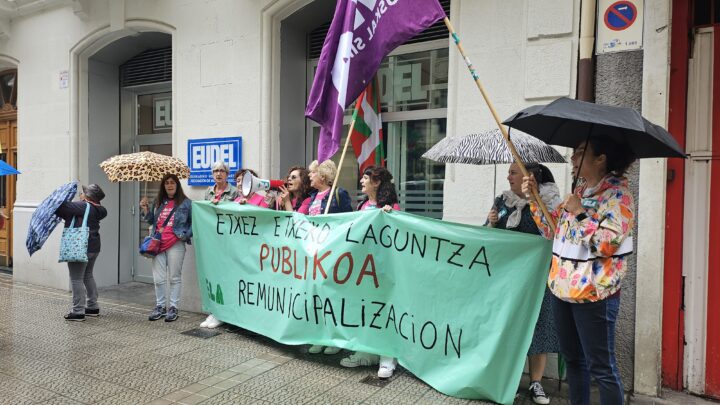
(706, 12)
(414, 86)
(8, 90)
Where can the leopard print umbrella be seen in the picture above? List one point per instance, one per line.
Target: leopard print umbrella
(143, 166)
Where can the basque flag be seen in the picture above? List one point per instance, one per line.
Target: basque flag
(367, 135)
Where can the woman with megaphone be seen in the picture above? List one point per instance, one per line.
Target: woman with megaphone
(252, 197)
(322, 176)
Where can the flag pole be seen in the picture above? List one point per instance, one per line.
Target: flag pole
(502, 128)
(342, 158)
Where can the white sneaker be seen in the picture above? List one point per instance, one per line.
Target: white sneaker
(387, 367)
(316, 349)
(212, 322)
(204, 323)
(537, 393)
(331, 350)
(358, 359)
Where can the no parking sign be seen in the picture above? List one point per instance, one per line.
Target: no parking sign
(619, 25)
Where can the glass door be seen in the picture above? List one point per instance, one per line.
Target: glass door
(154, 134)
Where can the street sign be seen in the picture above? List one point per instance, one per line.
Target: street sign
(202, 153)
(620, 16)
(620, 27)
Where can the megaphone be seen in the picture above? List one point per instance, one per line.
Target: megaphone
(251, 184)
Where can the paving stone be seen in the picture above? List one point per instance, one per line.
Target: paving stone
(121, 358)
(60, 400)
(126, 397)
(150, 382)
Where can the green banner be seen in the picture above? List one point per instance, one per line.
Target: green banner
(455, 304)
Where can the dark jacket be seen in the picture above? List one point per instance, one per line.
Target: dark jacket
(76, 209)
(341, 201)
(183, 219)
(526, 225)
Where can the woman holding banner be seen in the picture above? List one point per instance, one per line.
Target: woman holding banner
(379, 192)
(591, 243)
(296, 195)
(221, 191)
(511, 211)
(322, 176)
(171, 214)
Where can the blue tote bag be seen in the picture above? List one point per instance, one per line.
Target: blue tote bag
(74, 241)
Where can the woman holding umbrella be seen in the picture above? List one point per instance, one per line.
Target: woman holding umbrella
(171, 215)
(512, 212)
(591, 243)
(81, 273)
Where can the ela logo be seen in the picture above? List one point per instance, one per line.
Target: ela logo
(217, 297)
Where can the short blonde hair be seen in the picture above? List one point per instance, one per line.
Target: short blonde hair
(326, 170)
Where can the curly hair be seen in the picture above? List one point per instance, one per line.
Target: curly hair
(386, 194)
(305, 188)
(326, 170)
(179, 196)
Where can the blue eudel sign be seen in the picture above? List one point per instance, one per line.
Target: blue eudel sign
(202, 153)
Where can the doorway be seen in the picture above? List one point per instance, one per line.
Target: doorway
(8, 153)
(152, 132)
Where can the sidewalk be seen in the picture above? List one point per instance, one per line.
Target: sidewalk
(122, 358)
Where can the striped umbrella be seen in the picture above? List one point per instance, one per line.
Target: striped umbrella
(489, 147)
(44, 220)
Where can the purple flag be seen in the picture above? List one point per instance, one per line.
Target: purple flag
(362, 33)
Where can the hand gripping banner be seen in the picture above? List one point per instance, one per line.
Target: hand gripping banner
(455, 304)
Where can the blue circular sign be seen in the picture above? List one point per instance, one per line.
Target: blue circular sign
(620, 15)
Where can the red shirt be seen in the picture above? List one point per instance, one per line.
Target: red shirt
(168, 237)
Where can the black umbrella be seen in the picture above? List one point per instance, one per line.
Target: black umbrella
(568, 122)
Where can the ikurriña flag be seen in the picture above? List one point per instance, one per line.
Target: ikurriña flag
(361, 34)
(367, 134)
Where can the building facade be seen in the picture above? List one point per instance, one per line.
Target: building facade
(86, 80)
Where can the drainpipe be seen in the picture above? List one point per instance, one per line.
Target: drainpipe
(586, 64)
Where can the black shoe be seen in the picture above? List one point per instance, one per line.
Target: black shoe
(75, 317)
(92, 312)
(157, 313)
(172, 314)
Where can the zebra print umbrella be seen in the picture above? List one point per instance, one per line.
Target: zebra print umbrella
(489, 147)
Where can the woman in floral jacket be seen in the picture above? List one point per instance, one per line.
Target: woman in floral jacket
(590, 246)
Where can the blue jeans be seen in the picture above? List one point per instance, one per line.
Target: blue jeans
(586, 333)
(169, 261)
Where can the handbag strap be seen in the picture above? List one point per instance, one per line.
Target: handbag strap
(168, 217)
(85, 217)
